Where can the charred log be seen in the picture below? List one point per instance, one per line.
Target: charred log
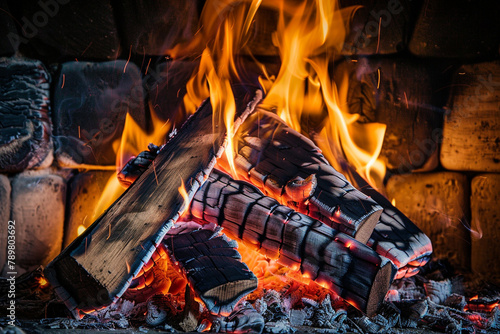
(290, 168)
(329, 257)
(213, 267)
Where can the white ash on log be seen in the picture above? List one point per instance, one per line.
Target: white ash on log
(5, 191)
(344, 265)
(485, 226)
(38, 206)
(471, 140)
(290, 168)
(439, 205)
(25, 127)
(85, 190)
(91, 101)
(99, 265)
(213, 267)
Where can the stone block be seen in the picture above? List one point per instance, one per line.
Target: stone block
(91, 101)
(457, 29)
(485, 213)
(438, 203)
(4, 218)
(38, 206)
(25, 127)
(403, 94)
(155, 27)
(471, 130)
(53, 30)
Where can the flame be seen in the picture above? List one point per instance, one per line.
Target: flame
(42, 282)
(134, 140)
(185, 196)
(81, 229)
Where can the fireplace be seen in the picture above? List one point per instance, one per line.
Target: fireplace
(395, 101)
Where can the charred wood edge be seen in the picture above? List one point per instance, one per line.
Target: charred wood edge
(356, 218)
(417, 248)
(225, 279)
(25, 283)
(331, 258)
(96, 294)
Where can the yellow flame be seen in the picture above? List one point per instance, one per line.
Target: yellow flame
(42, 282)
(185, 196)
(81, 229)
(134, 140)
(308, 38)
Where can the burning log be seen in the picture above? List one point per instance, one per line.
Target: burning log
(331, 258)
(25, 128)
(290, 168)
(213, 267)
(97, 268)
(395, 236)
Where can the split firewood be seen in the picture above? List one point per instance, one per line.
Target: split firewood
(25, 127)
(289, 167)
(97, 268)
(329, 257)
(213, 267)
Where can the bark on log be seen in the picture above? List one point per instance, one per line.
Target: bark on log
(331, 258)
(280, 162)
(99, 265)
(25, 127)
(213, 267)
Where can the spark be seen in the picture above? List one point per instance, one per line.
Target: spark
(378, 38)
(378, 79)
(128, 60)
(86, 49)
(79, 129)
(109, 233)
(147, 67)
(406, 99)
(62, 86)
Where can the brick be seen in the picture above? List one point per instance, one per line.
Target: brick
(91, 101)
(63, 29)
(4, 218)
(438, 203)
(486, 226)
(457, 29)
(38, 205)
(401, 94)
(471, 130)
(155, 27)
(85, 190)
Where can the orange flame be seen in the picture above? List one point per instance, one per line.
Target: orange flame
(185, 196)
